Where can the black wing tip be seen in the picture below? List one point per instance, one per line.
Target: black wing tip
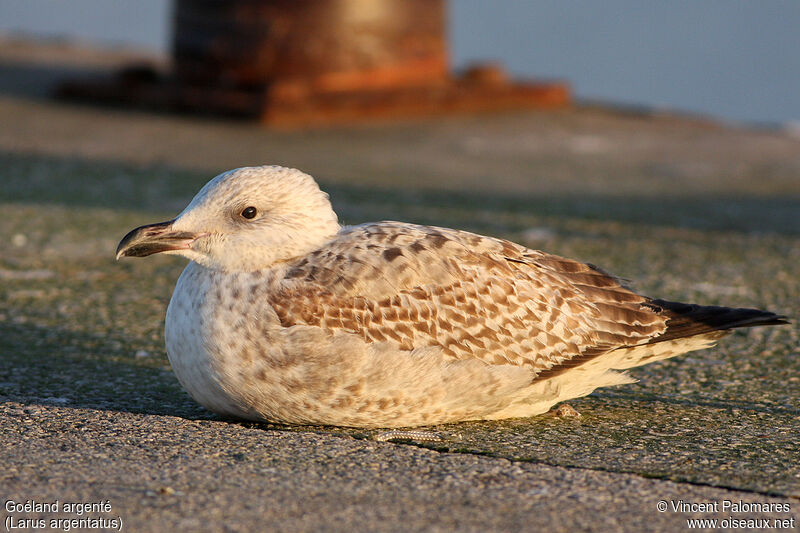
(777, 320)
(685, 320)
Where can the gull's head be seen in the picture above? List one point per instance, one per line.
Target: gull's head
(243, 220)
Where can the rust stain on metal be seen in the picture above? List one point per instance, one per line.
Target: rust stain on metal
(305, 62)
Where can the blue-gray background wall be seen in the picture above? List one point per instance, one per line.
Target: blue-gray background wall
(734, 59)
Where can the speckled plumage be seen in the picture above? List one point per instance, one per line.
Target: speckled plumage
(288, 317)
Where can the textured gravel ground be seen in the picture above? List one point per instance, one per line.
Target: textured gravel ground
(90, 411)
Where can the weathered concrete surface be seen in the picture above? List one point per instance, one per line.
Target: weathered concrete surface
(688, 210)
(165, 473)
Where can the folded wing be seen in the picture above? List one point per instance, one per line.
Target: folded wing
(473, 296)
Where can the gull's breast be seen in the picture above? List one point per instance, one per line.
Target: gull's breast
(207, 322)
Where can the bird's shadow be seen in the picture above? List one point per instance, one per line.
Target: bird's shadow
(56, 366)
(68, 369)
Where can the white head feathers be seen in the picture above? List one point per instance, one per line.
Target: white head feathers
(251, 217)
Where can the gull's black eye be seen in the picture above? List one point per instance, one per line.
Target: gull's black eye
(249, 212)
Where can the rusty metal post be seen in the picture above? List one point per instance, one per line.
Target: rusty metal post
(308, 62)
(310, 46)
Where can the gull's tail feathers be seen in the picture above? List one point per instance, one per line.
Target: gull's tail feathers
(688, 320)
(691, 327)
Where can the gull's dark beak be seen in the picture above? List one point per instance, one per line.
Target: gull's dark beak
(154, 238)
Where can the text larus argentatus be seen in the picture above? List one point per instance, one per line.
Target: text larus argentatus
(283, 315)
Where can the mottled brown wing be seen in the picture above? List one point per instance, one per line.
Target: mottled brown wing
(476, 297)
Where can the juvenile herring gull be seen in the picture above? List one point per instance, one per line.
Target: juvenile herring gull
(283, 315)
